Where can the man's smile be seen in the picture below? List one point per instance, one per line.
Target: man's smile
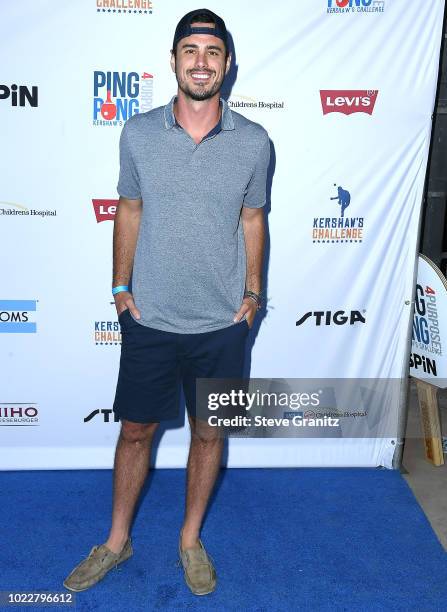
(200, 75)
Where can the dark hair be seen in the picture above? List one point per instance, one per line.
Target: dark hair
(204, 16)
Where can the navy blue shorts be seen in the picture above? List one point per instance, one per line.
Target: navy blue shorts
(154, 363)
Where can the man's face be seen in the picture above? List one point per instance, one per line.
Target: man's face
(200, 66)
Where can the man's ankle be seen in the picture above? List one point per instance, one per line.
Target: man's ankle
(189, 540)
(116, 544)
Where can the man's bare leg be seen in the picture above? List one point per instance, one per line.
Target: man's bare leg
(204, 459)
(130, 471)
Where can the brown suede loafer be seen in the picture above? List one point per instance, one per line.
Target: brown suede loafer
(92, 569)
(200, 574)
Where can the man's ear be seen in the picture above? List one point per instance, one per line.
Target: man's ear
(172, 61)
(228, 63)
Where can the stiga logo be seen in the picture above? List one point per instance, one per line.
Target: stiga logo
(327, 317)
(119, 95)
(342, 228)
(20, 95)
(106, 415)
(105, 209)
(19, 414)
(15, 316)
(124, 7)
(348, 101)
(355, 6)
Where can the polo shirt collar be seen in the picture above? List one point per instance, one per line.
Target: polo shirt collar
(226, 121)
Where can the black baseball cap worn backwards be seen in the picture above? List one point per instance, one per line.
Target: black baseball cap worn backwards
(184, 27)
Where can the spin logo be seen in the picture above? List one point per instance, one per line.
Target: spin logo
(117, 96)
(16, 316)
(342, 228)
(20, 95)
(355, 6)
(348, 101)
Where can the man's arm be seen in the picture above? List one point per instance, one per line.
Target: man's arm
(254, 234)
(125, 233)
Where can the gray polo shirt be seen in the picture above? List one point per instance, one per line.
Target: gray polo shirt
(190, 264)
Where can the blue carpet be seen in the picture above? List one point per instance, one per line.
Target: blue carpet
(281, 539)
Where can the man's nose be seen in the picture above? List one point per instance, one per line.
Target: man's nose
(201, 59)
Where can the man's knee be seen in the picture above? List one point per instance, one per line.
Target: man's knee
(137, 432)
(203, 433)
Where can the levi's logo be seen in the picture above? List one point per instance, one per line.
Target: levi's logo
(348, 101)
(105, 209)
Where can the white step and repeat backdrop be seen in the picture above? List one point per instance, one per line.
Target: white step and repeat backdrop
(346, 90)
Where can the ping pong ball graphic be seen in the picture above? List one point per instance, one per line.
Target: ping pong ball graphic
(108, 109)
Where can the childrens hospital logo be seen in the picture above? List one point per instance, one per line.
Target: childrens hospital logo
(348, 101)
(341, 228)
(119, 95)
(355, 6)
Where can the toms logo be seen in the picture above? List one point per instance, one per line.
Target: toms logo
(327, 317)
(348, 101)
(16, 315)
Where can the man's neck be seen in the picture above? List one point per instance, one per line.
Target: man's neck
(197, 117)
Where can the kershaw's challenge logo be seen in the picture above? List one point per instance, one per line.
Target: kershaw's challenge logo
(140, 7)
(338, 229)
(117, 96)
(327, 317)
(348, 101)
(105, 210)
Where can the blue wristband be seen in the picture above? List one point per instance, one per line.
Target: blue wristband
(120, 288)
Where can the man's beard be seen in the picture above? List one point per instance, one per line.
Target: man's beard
(199, 94)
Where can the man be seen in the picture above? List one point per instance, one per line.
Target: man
(189, 229)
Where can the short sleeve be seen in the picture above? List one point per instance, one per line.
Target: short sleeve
(255, 194)
(129, 182)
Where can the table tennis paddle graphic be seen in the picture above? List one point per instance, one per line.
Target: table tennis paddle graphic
(108, 108)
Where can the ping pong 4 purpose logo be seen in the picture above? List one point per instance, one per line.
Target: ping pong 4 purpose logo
(348, 101)
(119, 95)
